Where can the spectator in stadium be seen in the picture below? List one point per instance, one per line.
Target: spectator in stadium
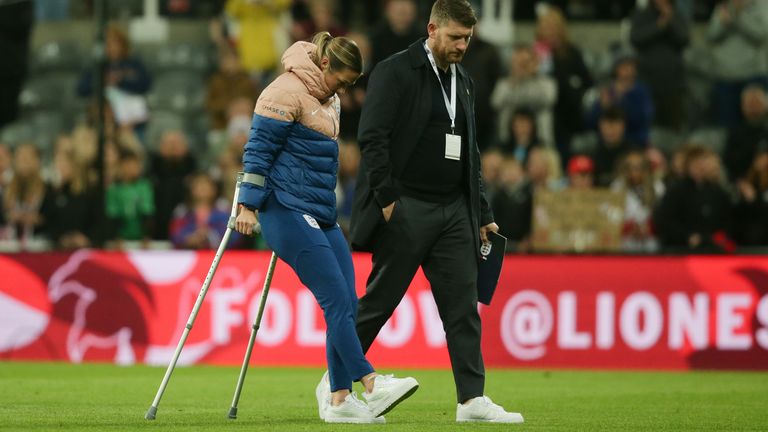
(239, 113)
(85, 148)
(130, 204)
(642, 192)
(396, 32)
(228, 83)
(564, 62)
(660, 34)
(86, 151)
(290, 164)
(695, 213)
(200, 222)
(169, 168)
(6, 166)
(126, 78)
(109, 123)
(737, 34)
(69, 207)
(312, 16)
(751, 227)
(632, 97)
(24, 195)
(491, 161)
(483, 63)
(676, 170)
(228, 164)
(525, 88)
(658, 162)
(259, 35)
(748, 135)
(522, 136)
(611, 145)
(513, 205)
(581, 173)
(371, 12)
(543, 169)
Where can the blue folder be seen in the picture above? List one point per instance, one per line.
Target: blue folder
(489, 267)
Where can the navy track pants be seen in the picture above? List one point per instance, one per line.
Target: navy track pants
(321, 258)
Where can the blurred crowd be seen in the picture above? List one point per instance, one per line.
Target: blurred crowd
(547, 118)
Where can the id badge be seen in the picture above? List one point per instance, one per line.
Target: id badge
(453, 147)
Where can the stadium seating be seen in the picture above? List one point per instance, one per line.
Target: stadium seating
(179, 91)
(177, 57)
(58, 57)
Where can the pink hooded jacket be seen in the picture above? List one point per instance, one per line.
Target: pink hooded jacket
(300, 93)
(292, 142)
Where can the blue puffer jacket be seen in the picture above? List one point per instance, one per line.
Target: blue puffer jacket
(292, 141)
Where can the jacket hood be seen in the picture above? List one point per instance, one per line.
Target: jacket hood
(298, 59)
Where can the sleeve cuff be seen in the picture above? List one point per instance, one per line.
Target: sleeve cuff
(386, 196)
(251, 196)
(486, 218)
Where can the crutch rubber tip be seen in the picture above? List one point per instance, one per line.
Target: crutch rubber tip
(151, 412)
(232, 413)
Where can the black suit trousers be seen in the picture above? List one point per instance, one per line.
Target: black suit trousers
(439, 238)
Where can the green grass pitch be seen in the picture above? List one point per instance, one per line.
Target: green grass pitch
(99, 397)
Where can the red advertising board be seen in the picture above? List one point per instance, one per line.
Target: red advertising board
(570, 312)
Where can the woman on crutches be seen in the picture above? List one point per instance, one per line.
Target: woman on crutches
(290, 165)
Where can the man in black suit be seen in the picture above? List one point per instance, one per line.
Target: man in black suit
(420, 199)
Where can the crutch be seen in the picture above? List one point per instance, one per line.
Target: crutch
(255, 329)
(152, 411)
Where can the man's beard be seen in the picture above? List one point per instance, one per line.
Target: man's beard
(455, 56)
(452, 56)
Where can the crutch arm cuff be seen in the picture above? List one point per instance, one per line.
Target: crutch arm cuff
(254, 179)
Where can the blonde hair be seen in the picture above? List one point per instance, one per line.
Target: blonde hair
(648, 191)
(342, 52)
(116, 33)
(27, 189)
(556, 17)
(80, 177)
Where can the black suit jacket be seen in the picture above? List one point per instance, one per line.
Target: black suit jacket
(396, 111)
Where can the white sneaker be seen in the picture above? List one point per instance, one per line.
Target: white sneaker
(352, 410)
(389, 391)
(323, 395)
(482, 409)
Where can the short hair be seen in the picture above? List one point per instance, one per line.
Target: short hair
(119, 35)
(753, 88)
(342, 52)
(522, 46)
(128, 155)
(459, 11)
(525, 112)
(613, 114)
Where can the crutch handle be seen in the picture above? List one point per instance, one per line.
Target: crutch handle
(231, 225)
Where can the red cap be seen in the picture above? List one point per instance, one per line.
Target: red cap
(580, 165)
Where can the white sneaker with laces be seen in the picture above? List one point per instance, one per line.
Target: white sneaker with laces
(389, 391)
(323, 395)
(482, 409)
(352, 410)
